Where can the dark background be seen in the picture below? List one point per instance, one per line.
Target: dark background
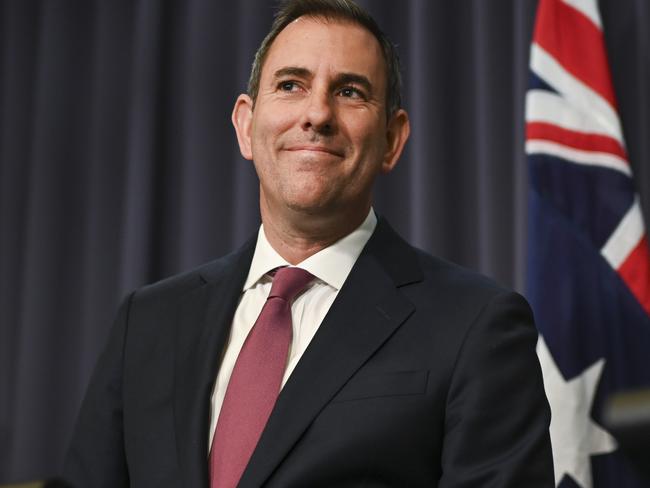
(118, 164)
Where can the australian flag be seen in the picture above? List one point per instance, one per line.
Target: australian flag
(588, 259)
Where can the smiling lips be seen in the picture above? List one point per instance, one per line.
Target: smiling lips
(318, 149)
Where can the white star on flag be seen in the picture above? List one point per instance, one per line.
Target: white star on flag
(574, 434)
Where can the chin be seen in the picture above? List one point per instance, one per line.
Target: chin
(309, 196)
(314, 206)
(309, 207)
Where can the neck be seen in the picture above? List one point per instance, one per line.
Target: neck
(299, 238)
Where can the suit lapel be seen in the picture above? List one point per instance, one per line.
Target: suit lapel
(203, 325)
(367, 311)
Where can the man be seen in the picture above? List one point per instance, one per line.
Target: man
(394, 368)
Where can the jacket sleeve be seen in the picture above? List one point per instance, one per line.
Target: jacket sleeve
(497, 416)
(96, 455)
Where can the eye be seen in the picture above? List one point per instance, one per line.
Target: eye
(351, 92)
(288, 86)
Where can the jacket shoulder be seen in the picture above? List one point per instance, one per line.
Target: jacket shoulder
(455, 276)
(178, 285)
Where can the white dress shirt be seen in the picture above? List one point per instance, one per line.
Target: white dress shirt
(330, 266)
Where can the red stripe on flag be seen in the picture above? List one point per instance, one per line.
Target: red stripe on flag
(579, 140)
(635, 272)
(576, 43)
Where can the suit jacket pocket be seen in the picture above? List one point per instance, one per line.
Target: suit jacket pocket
(397, 383)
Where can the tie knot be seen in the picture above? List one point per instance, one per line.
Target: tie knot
(288, 282)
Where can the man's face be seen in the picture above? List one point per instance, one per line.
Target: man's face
(318, 133)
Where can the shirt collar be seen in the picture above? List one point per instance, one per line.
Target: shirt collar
(331, 265)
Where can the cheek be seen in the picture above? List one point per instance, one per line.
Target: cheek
(271, 122)
(370, 146)
(366, 131)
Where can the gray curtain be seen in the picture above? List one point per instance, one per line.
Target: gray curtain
(118, 164)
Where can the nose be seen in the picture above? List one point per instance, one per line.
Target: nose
(319, 114)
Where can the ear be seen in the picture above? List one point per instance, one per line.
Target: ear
(398, 129)
(242, 119)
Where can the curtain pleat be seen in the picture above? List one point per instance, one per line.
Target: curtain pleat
(119, 165)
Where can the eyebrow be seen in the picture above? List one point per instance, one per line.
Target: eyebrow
(353, 78)
(341, 79)
(292, 71)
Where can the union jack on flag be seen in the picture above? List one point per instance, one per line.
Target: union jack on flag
(588, 259)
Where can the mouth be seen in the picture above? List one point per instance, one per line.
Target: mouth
(315, 149)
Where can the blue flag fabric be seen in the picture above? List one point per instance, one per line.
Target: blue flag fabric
(588, 260)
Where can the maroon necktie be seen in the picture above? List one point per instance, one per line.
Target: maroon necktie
(255, 381)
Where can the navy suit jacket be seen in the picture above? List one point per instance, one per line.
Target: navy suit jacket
(421, 374)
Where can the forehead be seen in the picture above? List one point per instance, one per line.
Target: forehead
(331, 44)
